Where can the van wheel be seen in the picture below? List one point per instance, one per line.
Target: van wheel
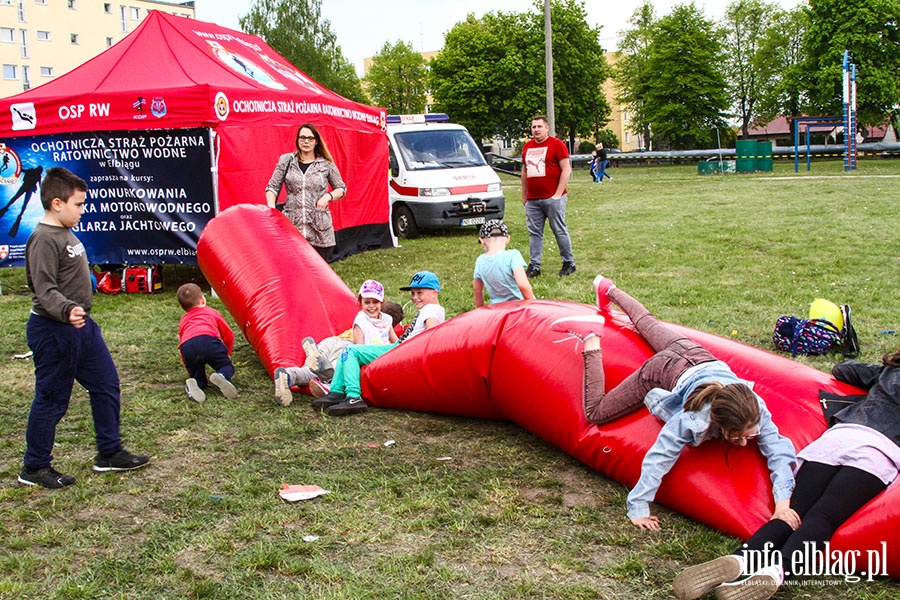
(404, 223)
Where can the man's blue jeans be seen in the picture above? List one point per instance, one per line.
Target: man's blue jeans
(537, 212)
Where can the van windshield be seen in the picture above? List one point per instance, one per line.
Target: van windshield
(438, 149)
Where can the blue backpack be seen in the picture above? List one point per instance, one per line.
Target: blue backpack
(815, 336)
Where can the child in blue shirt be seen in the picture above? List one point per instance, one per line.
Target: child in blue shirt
(500, 271)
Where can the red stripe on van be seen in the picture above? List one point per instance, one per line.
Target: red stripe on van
(404, 191)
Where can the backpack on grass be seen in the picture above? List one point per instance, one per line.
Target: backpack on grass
(816, 336)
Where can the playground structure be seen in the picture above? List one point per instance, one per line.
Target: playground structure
(504, 362)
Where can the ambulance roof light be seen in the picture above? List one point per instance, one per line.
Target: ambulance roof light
(421, 118)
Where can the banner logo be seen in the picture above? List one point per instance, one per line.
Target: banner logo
(158, 106)
(10, 165)
(221, 106)
(23, 116)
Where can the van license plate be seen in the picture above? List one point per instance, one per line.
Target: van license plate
(471, 221)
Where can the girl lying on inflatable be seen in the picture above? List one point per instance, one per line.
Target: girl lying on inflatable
(697, 396)
(854, 461)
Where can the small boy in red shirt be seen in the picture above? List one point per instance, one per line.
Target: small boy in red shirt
(204, 339)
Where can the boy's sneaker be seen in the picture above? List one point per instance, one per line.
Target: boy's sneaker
(582, 327)
(533, 271)
(123, 460)
(567, 269)
(314, 359)
(47, 477)
(762, 585)
(318, 388)
(283, 394)
(226, 387)
(699, 580)
(602, 286)
(350, 406)
(193, 390)
(330, 399)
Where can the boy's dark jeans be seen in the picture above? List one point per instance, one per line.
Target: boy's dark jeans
(203, 350)
(63, 355)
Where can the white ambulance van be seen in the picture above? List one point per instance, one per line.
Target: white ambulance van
(439, 178)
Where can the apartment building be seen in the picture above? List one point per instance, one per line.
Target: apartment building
(43, 39)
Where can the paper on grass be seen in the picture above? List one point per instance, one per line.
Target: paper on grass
(294, 493)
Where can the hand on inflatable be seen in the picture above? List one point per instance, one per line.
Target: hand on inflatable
(648, 523)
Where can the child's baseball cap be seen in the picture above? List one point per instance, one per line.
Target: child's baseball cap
(372, 289)
(494, 228)
(423, 280)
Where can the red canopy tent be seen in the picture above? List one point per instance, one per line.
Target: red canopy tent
(236, 96)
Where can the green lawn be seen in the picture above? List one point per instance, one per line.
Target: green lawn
(508, 516)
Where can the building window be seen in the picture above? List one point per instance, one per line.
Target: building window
(7, 34)
(627, 137)
(123, 18)
(26, 80)
(41, 2)
(46, 71)
(10, 72)
(72, 4)
(23, 46)
(135, 13)
(107, 8)
(21, 10)
(43, 36)
(109, 42)
(6, 2)
(73, 37)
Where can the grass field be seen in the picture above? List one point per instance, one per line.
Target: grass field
(508, 516)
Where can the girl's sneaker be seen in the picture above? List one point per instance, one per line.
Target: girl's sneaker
(602, 286)
(699, 580)
(762, 585)
(583, 327)
(283, 394)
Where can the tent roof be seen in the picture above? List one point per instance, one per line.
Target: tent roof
(174, 72)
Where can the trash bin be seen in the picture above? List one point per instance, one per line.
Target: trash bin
(714, 165)
(746, 152)
(764, 156)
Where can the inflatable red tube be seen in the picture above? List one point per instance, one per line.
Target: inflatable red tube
(535, 380)
(274, 284)
(504, 362)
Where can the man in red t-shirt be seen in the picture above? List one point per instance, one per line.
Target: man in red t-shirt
(546, 169)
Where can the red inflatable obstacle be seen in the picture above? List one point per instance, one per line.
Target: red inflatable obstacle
(504, 362)
(275, 285)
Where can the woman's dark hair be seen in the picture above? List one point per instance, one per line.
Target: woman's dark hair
(733, 407)
(891, 359)
(321, 150)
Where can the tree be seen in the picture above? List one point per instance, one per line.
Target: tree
(748, 67)
(870, 31)
(687, 96)
(297, 31)
(490, 74)
(469, 78)
(631, 74)
(397, 79)
(782, 48)
(579, 70)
